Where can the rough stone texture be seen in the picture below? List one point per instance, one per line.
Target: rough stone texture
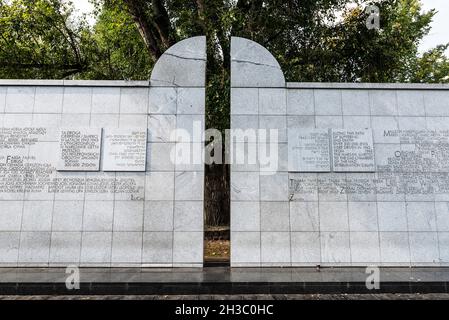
(182, 65)
(119, 218)
(392, 211)
(253, 66)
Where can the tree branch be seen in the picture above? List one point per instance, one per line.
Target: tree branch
(78, 67)
(162, 23)
(136, 9)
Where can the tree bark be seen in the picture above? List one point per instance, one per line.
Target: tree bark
(216, 195)
(137, 10)
(162, 23)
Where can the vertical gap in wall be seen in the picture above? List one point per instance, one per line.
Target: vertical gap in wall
(217, 248)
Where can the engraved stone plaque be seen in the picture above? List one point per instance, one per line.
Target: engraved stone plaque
(125, 150)
(418, 151)
(352, 150)
(308, 150)
(79, 149)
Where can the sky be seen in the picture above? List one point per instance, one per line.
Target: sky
(438, 35)
(440, 26)
(84, 6)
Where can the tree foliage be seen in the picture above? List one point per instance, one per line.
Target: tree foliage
(321, 40)
(431, 67)
(46, 39)
(117, 49)
(38, 39)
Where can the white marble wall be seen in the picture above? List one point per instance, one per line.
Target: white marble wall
(340, 219)
(159, 222)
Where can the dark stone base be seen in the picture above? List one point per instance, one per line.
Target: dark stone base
(221, 280)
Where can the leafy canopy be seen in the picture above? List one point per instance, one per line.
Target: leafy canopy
(320, 40)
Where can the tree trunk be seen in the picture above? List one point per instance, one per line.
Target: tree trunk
(216, 195)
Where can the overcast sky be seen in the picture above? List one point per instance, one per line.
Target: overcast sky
(440, 26)
(438, 35)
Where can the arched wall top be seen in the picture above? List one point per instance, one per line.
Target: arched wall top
(252, 65)
(182, 65)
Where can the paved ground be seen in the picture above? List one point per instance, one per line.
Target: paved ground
(222, 274)
(245, 297)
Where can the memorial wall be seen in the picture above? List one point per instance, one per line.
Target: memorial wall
(92, 174)
(86, 175)
(362, 176)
